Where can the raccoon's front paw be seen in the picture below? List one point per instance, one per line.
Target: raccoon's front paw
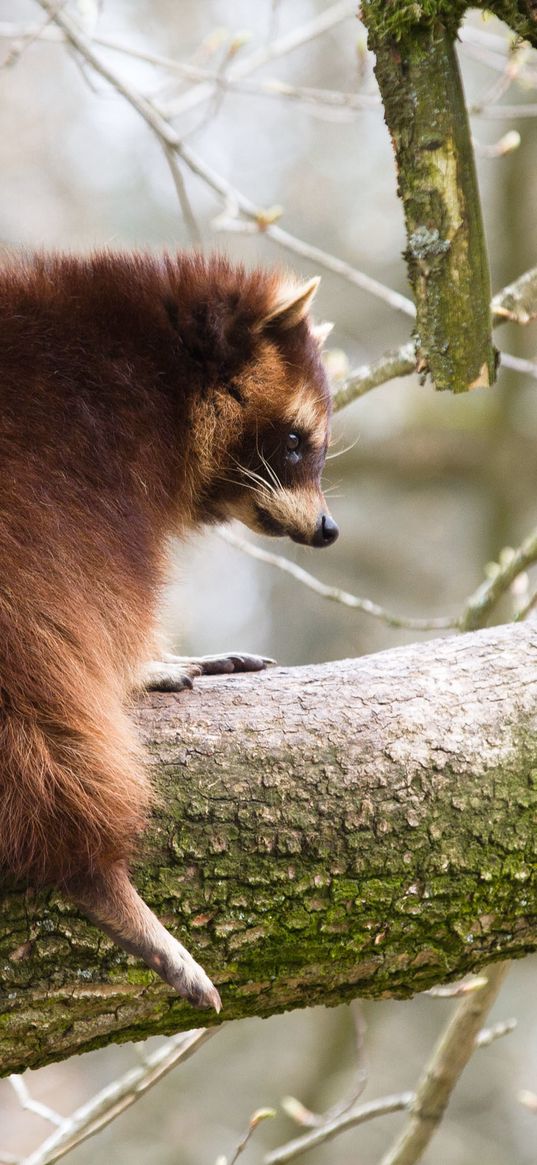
(224, 664)
(176, 672)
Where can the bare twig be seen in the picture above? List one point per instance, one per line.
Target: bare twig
(527, 608)
(488, 594)
(457, 990)
(98, 1112)
(280, 47)
(319, 100)
(314, 1120)
(401, 362)
(475, 614)
(27, 1102)
(399, 1102)
(505, 145)
(528, 367)
(315, 254)
(514, 61)
(496, 1031)
(261, 1114)
(184, 201)
(334, 593)
(505, 112)
(25, 41)
(517, 301)
(441, 1074)
(231, 196)
(296, 38)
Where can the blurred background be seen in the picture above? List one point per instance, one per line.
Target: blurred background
(431, 488)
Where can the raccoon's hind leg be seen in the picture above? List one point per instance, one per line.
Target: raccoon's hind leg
(175, 672)
(109, 899)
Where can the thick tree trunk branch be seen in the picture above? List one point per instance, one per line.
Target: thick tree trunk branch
(366, 827)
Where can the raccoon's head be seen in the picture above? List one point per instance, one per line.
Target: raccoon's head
(274, 464)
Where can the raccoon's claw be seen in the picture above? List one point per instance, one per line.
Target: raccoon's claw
(188, 979)
(224, 664)
(176, 672)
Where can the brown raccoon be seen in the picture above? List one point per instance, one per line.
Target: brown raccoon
(140, 398)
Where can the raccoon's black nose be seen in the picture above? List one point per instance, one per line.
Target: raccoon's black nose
(326, 532)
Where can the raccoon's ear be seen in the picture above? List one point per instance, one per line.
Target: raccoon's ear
(321, 332)
(292, 304)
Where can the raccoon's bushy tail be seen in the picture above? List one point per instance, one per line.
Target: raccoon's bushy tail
(75, 796)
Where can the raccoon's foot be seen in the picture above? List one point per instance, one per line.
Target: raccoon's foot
(176, 672)
(110, 900)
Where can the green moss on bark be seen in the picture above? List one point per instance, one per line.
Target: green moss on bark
(399, 19)
(360, 828)
(446, 254)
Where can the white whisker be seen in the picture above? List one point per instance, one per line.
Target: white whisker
(340, 452)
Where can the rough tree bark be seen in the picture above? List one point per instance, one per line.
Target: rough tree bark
(447, 260)
(364, 827)
(425, 111)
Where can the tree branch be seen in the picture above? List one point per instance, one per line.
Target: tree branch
(441, 1074)
(365, 827)
(426, 115)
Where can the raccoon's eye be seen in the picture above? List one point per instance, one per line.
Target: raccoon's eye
(292, 445)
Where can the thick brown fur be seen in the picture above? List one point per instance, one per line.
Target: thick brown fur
(140, 398)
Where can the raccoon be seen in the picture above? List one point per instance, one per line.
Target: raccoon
(141, 398)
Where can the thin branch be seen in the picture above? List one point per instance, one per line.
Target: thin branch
(481, 604)
(462, 1025)
(518, 300)
(518, 364)
(514, 61)
(334, 593)
(400, 362)
(504, 112)
(527, 608)
(476, 611)
(279, 47)
(496, 1031)
(516, 303)
(231, 196)
(112, 1100)
(261, 1114)
(308, 251)
(457, 990)
(335, 101)
(314, 1120)
(296, 38)
(507, 144)
(399, 1102)
(441, 1074)
(27, 1102)
(184, 201)
(25, 41)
